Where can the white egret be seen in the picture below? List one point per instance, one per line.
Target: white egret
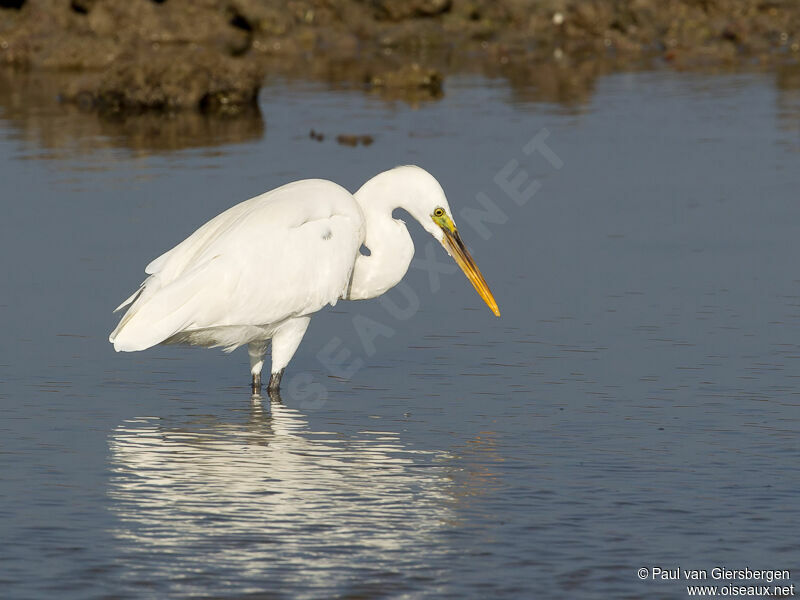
(257, 271)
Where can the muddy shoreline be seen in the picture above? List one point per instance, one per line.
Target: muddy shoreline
(212, 55)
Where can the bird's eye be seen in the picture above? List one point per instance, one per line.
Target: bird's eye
(439, 212)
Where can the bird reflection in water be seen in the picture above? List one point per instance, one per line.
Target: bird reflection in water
(270, 498)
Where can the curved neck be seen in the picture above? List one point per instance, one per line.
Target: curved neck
(387, 239)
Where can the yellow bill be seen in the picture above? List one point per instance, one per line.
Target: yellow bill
(456, 248)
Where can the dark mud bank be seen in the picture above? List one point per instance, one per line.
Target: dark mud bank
(167, 55)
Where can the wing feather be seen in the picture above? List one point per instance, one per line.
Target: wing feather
(282, 254)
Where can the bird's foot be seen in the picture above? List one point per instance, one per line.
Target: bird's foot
(255, 385)
(275, 381)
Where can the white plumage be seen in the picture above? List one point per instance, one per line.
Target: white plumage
(257, 271)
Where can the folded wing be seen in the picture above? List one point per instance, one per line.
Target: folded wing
(286, 253)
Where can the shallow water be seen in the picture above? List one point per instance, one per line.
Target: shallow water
(636, 405)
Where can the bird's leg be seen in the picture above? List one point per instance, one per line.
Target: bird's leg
(284, 344)
(255, 385)
(274, 396)
(256, 350)
(275, 381)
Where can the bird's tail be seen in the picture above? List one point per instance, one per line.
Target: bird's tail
(157, 311)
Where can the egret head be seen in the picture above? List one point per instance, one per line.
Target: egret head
(429, 206)
(455, 247)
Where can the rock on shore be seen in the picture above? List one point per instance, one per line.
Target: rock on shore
(210, 54)
(169, 79)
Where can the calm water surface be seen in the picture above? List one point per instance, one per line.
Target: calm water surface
(636, 405)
